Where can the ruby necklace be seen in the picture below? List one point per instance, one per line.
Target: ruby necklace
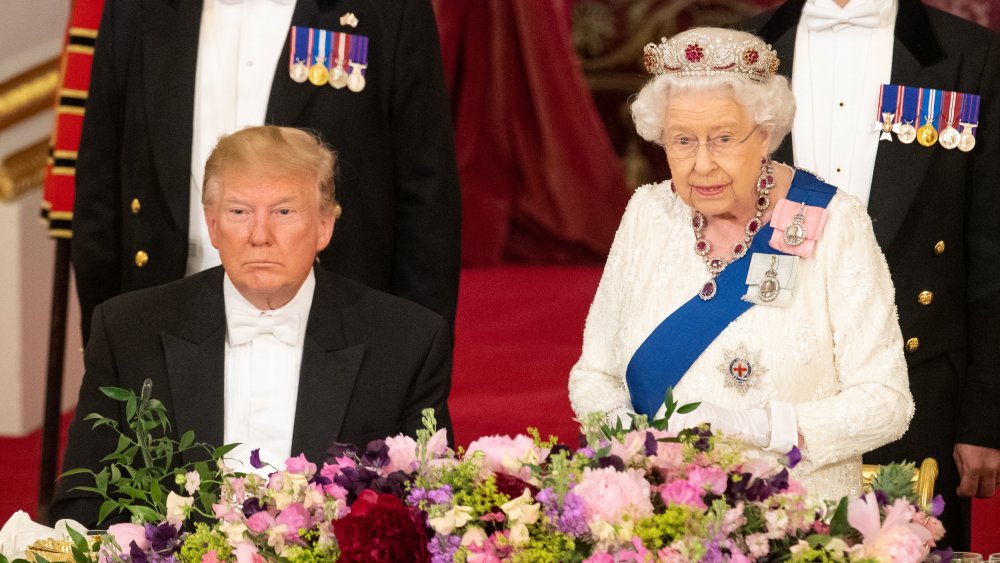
(716, 264)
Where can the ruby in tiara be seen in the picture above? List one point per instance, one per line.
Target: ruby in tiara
(751, 56)
(694, 53)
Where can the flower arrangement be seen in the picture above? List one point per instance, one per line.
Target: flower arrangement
(640, 495)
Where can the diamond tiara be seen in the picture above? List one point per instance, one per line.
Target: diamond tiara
(712, 52)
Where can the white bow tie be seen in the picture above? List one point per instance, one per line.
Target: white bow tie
(243, 326)
(819, 18)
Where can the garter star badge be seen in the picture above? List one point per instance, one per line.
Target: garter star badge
(742, 369)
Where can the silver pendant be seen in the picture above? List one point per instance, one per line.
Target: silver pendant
(356, 80)
(299, 72)
(967, 141)
(795, 233)
(907, 133)
(742, 369)
(769, 287)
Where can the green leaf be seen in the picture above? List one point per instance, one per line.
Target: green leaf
(77, 471)
(221, 451)
(145, 513)
(130, 407)
(186, 440)
(688, 408)
(105, 510)
(838, 524)
(117, 393)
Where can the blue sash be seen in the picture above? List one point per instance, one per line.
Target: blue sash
(670, 350)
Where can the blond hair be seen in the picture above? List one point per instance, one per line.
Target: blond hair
(275, 151)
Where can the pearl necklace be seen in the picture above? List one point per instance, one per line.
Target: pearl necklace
(716, 264)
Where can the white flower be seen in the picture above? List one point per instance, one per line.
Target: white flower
(456, 517)
(192, 482)
(474, 536)
(777, 523)
(178, 508)
(519, 534)
(521, 509)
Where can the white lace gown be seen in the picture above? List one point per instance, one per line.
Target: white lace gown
(835, 352)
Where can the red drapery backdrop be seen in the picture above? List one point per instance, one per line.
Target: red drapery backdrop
(540, 179)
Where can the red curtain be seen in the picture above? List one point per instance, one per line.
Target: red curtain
(540, 180)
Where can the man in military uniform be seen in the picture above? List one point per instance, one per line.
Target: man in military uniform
(933, 204)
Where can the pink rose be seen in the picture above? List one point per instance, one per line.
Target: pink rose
(682, 493)
(610, 495)
(896, 538)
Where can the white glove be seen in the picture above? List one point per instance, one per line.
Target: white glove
(775, 431)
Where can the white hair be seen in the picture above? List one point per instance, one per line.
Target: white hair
(771, 105)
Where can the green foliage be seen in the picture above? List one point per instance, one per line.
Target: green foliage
(482, 498)
(548, 548)
(140, 473)
(896, 481)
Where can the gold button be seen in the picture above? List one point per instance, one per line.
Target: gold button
(925, 298)
(135, 206)
(912, 345)
(939, 248)
(141, 258)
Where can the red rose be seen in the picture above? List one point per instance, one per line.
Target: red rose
(694, 53)
(381, 528)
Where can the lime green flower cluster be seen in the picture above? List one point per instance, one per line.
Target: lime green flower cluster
(205, 539)
(481, 498)
(676, 521)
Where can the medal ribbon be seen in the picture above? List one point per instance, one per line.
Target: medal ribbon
(970, 111)
(898, 118)
(932, 106)
(320, 44)
(889, 95)
(673, 346)
(911, 104)
(300, 47)
(949, 100)
(359, 51)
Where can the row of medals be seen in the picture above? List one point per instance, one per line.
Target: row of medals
(927, 135)
(319, 75)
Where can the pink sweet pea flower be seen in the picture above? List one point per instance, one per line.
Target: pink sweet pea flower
(897, 538)
(246, 552)
(296, 517)
(210, 557)
(299, 464)
(226, 513)
(710, 479)
(260, 522)
(124, 535)
(601, 557)
(402, 455)
(437, 446)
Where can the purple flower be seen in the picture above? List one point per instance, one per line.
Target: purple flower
(440, 496)
(255, 459)
(937, 507)
(251, 506)
(651, 444)
(443, 548)
(163, 543)
(587, 452)
(792, 458)
(338, 450)
(573, 521)
(611, 461)
(376, 455)
(882, 498)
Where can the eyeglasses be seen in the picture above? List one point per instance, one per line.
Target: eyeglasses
(723, 145)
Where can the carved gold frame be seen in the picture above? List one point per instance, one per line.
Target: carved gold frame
(21, 97)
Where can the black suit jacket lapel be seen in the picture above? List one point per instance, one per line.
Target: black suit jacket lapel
(169, 59)
(917, 60)
(330, 367)
(288, 98)
(196, 365)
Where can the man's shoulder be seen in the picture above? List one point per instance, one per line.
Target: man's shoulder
(376, 304)
(956, 33)
(173, 297)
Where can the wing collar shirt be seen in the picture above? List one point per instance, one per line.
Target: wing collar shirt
(239, 44)
(842, 57)
(262, 374)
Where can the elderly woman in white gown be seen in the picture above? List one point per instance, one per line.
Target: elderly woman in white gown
(748, 285)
